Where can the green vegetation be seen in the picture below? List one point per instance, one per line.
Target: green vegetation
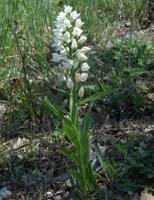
(35, 135)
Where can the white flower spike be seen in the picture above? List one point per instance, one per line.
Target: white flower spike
(70, 53)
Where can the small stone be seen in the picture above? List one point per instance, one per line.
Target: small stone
(49, 194)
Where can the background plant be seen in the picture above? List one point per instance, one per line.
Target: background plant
(126, 164)
(122, 67)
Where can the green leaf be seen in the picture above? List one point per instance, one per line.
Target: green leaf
(99, 155)
(73, 156)
(91, 177)
(58, 111)
(91, 88)
(61, 91)
(100, 85)
(72, 133)
(137, 72)
(87, 183)
(143, 87)
(80, 180)
(85, 137)
(115, 78)
(94, 97)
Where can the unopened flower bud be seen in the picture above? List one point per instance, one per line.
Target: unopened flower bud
(81, 92)
(70, 83)
(84, 49)
(78, 23)
(83, 77)
(85, 67)
(82, 39)
(81, 56)
(66, 37)
(77, 77)
(74, 44)
(75, 65)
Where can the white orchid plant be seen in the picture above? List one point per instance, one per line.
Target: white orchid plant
(71, 58)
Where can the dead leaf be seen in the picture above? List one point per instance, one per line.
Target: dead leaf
(150, 96)
(146, 196)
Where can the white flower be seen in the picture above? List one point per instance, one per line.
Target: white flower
(70, 83)
(74, 44)
(61, 16)
(66, 37)
(81, 57)
(83, 77)
(74, 15)
(78, 23)
(84, 49)
(82, 39)
(77, 77)
(66, 23)
(77, 31)
(85, 67)
(81, 92)
(67, 64)
(61, 77)
(56, 57)
(75, 65)
(64, 52)
(67, 9)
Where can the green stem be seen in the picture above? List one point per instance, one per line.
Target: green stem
(74, 117)
(73, 105)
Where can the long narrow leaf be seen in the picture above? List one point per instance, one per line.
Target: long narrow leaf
(72, 133)
(79, 179)
(137, 72)
(99, 155)
(58, 111)
(85, 136)
(71, 155)
(94, 97)
(91, 177)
